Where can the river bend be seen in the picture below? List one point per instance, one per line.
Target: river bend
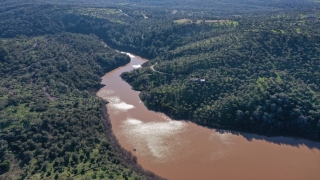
(183, 150)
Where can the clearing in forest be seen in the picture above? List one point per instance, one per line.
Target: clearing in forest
(186, 21)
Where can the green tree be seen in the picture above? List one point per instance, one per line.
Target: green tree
(3, 53)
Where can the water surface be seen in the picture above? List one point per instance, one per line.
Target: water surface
(184, 150)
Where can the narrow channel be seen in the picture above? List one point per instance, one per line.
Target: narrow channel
(183, 150)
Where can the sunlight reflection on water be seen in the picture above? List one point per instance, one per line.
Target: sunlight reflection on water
(131, 55)
(136, 66)
(118, 105)
(151, 138)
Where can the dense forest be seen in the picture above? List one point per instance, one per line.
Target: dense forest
(52, 125)
(245, 65)
(261, 77)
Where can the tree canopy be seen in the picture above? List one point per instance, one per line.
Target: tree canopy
(245, 65)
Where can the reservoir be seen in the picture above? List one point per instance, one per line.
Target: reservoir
(181, 150)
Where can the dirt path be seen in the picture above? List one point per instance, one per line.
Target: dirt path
(33, 46)
(152, 68)
(51, 98)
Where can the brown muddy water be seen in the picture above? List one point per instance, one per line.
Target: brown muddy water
(183, 150)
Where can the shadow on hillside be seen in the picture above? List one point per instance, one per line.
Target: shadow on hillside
(279, 140)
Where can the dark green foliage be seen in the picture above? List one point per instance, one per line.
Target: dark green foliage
(31, 20)
(3, 53)
(51, 123)
(260, 71)
(4, 166)
(261, 77)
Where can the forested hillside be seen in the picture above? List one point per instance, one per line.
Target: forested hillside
(52, 125)
(245, 65)
(262, 77)
(221, 7)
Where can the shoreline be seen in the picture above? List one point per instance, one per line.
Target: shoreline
(123, 155)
